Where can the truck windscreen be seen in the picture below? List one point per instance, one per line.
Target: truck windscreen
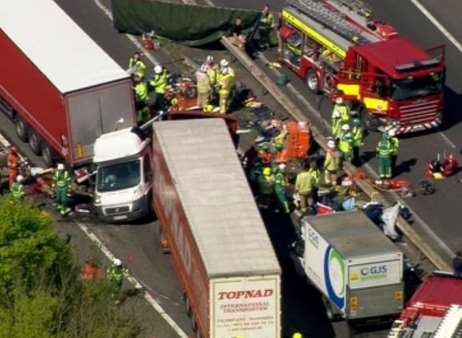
(417, 87)
(118, 176)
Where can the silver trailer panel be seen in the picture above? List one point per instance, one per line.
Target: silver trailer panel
(216, 198)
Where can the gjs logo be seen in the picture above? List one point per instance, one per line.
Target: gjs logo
(374, 270)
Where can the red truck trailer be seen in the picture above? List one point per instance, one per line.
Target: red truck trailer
(221, 251)
(435, 310)
(61, 89)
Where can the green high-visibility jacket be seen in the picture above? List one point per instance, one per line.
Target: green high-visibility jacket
(141, 92)
(17, 190)
(116, 273)
(384, 148)
(344, 112)
(345, 144)
(358, 136)
(159, 82)
(61, 179)
(316, 175)
(140, 67)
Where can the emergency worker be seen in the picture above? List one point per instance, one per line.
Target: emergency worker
(304, 187)
(115, 275)
(331, 164)
(17, 189)
(159, 84)
(316, 176)
(266, 24)
(13, 162)
(136, 65)
(340, 116)
(280, 184)
(141, 100)
(358, 139)
(384, 150)
(61, 187)
(225, 85)
(266, 187)
(345, 143)
(203, 88)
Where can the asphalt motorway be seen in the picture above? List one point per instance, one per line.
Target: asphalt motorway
(439, 211)
(138, 244)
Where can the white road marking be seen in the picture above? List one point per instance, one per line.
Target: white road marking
(447, 140)
(140, 46)
(438, 25)
(133, 281)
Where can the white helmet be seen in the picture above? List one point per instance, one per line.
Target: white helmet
(157, 69)
(392, 132)
(345, 127)
(224, 63)
(19, 178)
(302, 124)
(209, 59)
(117, 262)
(60, 166)
(203, 68)
(331, 144)
(339, 100)
(282, 166)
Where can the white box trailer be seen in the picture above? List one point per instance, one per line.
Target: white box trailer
(355, 266)
(222, 254)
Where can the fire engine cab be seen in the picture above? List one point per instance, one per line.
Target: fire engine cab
(337, 48)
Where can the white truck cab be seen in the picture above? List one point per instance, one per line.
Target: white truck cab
(123, 176)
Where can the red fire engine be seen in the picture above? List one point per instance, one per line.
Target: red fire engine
(435, 310)
(338, 49)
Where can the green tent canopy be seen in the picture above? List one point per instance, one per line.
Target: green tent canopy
(192, 25)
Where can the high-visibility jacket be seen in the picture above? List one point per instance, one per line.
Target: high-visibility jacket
(331, 161)
(141, 92)
(358, 135)
(384, 148)
(212, 74)
(203, 83)
(115, 274)
(159, 82)
(280, 179)
(304, 182)
(316, 175)
(344, 112)
(140, 67)
(267, 21)
(394, 145)
(345, 144)
(225, 83)
(17, 190)
(61, 179)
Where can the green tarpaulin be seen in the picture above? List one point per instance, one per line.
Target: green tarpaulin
(189, 24)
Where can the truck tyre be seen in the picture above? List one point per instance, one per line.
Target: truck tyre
(331, 313)
(22, 130)
(312, 81)
(48, 155)
(35, 143)
(195, 327)
(187, 304)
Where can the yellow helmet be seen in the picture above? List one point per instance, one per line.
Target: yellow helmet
(267, 171)
(297, 335)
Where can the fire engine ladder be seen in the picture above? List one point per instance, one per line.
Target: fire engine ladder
(333, 19)
(451, 325)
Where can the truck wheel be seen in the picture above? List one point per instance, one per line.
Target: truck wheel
(312, 81)
(22, 130)
(34, 143)
(331, 313)
(195, 327)
(48, 155)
